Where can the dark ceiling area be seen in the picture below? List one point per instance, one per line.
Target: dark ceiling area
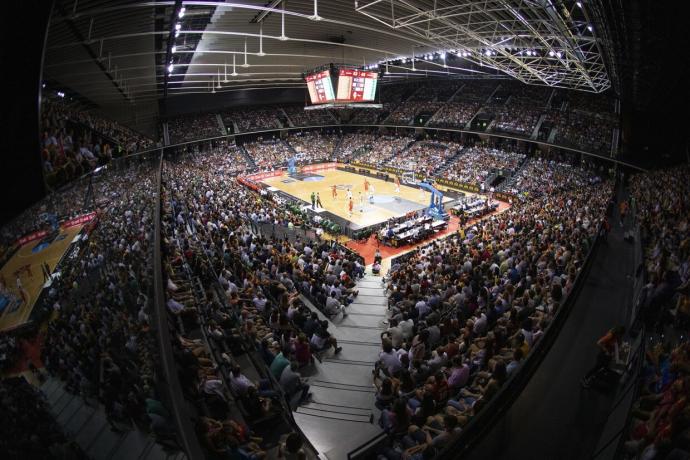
(652, 46)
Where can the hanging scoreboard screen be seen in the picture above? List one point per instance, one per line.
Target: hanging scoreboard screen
(320, 87)
(356, 85)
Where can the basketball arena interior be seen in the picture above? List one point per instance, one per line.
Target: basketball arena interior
(345, 230)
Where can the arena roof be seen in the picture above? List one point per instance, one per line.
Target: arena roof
(122, 51)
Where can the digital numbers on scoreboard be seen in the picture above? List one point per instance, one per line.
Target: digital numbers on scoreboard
(320, 87)
(356, 85)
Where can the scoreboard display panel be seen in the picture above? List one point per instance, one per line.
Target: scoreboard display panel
(320, 87)
(356, 85)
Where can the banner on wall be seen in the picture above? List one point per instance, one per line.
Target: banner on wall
(80, 220)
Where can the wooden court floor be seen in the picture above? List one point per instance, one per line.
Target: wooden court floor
(31, 284)
(370, 214)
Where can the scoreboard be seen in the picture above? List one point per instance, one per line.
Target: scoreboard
(320, 87)
(356, 85)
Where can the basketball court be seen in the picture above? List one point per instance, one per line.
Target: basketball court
(386, 202)
(26, 264)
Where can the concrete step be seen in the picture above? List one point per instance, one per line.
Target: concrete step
(370, 291)
(371, 300)
(380, 311)
(322, 413)
(358, 320)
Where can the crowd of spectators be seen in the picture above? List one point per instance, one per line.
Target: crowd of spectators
(210, 226)
(370, 116)
(467, 310)
(355, 145)
(425, 157)
(404, 113)
(251, 119)
(541, 176)
(387, 147)
(435, 90)
(519, 116)
(660, 426)
(586, 131)
(126, 138)
(101, 343)
(28, 428)
(313, 145)
(191, 127)
(300, 117)
(64, 204)
(74, 141)
(394, 94)
(588, 102)
(454, 114)
(269, 154)
(476, 164)
(222, 155)
(475, 91)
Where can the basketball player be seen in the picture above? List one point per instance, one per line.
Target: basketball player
(361, 202)
(349, 206)
(371, 194)
(349, 194)
(366, 185)
(334, 192)
(397, 185)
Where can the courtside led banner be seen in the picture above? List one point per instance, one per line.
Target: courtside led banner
(80, 220)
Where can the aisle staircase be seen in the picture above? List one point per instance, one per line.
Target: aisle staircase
(221, 125)
(448, 163)
(341, 414)
(166, 134)
(88, 426)
(250, 160)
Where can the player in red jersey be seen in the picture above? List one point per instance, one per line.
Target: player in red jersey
(334, 192)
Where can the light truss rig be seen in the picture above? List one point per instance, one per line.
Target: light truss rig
(546, 42)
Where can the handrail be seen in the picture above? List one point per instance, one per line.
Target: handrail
(185, 430)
